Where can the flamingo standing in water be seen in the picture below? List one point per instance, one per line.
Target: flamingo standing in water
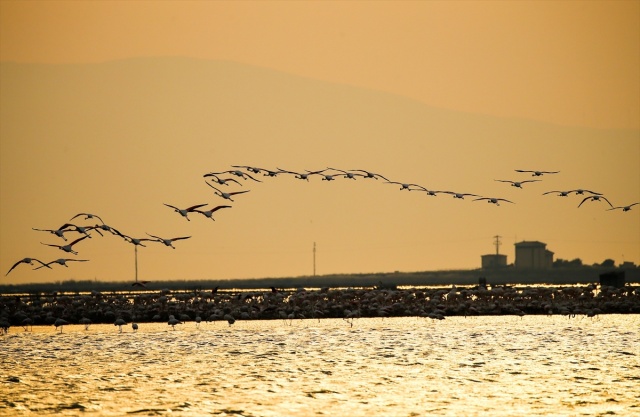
(60, 323)
(29, 261)
(119, 322)
(173, 321)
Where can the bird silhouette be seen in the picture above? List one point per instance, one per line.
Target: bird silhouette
(209, 213)
(221, 181)
(69, 247)
(237, 173)
(537, 173)
(61, 261)
(184, 212)
(226, 196)
(255, 170)
(493, 200)
(65, 228)
(623, 208)
(299, 175)
(517, 184)
(168, 242)
(87, 216)
(407, 186)
(595, 198)
(460, 195)
(29, 261)
(368, 174)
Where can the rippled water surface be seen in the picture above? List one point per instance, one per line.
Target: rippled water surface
(500, 366)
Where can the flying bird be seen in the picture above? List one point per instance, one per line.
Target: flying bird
(460, 195)
(492, 200)
(137, 241)
(595, 198)
(87, 216)
(221, 181)
(301, 176)
(406, 186)
(517, 184)
(267, 172)
(430, 192)
(108, 228)
(248, 168)
(61, 261)
(68, 247)
(168, 242)
(85, 229)
(347, 174)
(623, 208)
(580, 191)
(29, 261)
(59, 231)
(184, 212)
(209, 213)
(140, 284)
(537, 173)
(368, 174)
(237, 173)
(325, 177)
(226, 196)
(560, 193)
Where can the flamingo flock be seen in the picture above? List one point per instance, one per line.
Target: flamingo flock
(238, 175)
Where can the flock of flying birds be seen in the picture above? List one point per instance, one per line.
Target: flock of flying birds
(243, 172)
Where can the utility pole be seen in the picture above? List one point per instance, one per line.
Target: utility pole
(314, 259)
(497, 243)
(136, 252)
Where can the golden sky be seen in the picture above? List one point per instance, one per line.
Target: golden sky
(450, 95)
(568, 62)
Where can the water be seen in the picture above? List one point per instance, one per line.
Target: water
(497, 365)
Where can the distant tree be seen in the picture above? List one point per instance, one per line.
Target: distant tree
(559, 263)
(563, 263)
(576, 262)
(608, 263)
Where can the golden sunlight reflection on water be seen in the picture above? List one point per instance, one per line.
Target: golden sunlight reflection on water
(499, 365)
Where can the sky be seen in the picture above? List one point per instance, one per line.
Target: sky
(571, 69)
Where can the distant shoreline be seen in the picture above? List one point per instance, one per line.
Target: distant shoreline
(497, 276)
